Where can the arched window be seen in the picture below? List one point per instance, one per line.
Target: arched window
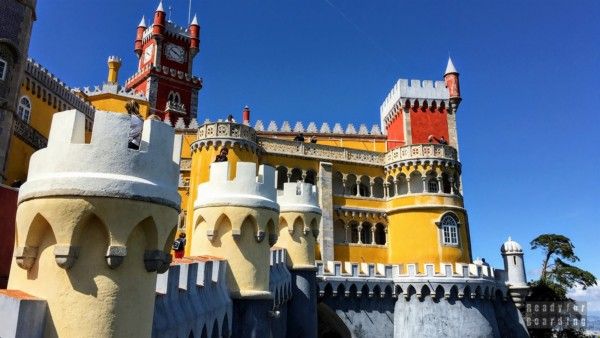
(449, 227)
(380, 234)
(366, 235)
(296, 175)
(339, 232)
(378, 187)
(311, 177)
(281, 177)
(174, 97)
(364, 186)
(432, 184)
(353, 232)
(402, 184)
(3, 69)
(338, 183)
(24, 109)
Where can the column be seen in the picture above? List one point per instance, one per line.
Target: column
(373, 227)
(371, 184)
(440, 184)
(326, 203)
(386, 186)
(452, 190)
(303, 175)
(408, 185)
(395, 187)
(347, 227)
(357, 187)
(289, 175)
(359, 228)
(424, 178)
(385, 229)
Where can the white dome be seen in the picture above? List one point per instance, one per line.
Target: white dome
(511, 246)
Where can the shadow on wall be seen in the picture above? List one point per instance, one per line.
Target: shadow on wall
(329, 323)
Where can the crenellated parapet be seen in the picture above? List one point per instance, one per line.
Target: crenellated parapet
(247, 189)
(105, 167)
(417, 93)
(192, 299)
(286, 128)
(97, 219)
(38, 73)
(299, 219)
(225, 134)
(232, 218)
(447, 281)
(280, 280)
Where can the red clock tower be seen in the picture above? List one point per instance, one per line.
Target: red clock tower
(166, 53)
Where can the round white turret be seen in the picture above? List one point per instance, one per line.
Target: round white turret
(512, 253)
(105, 167)
(231, 220)
(299, 223)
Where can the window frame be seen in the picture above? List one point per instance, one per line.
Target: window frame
(449, 225)
(21, 106)
(4, 69)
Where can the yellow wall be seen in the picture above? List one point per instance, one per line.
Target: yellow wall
(19, 152)
(360, 253)
(116, 103)
(201, 160)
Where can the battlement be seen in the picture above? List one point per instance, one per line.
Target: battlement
(112, 88)
(416, 92)
(192, 297)
(299, 197)
(451, 280)
(247, 188)
(114, 58)
(106, 167)
(280, 279)
(48, 80)
(391, 271)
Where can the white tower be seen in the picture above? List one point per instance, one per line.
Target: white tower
(512, 253)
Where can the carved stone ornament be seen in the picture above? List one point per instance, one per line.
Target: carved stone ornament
(115, 255)
(156, 260)
(66, 255)
(25, 256)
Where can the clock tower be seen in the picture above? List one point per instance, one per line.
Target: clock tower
(166, 53)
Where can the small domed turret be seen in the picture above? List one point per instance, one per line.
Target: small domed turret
(511, 247)
(512, 253)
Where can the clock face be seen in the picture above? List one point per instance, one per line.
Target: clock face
(175, 53)
(148, 53)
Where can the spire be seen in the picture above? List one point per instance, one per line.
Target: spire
(142, 22)
(450, 67)
(194, 21)
(160, 7)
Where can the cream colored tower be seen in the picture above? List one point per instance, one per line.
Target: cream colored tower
(299, 224)
(236, 220)
(232, 219)
(93, 225)
(298, 229)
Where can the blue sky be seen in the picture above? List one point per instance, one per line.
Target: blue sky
(529, 80)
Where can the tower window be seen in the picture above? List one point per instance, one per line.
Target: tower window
(432, 185)
(449, 230)
(24, 109)
(3, 69)
(174, 97)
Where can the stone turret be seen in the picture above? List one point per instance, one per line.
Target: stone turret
(94, 224)
(514, 267)
(234, 219)
(300, 215)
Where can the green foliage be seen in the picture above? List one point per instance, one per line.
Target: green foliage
(560, 275)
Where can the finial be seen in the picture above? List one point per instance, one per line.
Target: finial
(160, 7)
(509, 238)
(142, 22)
(450, 67)
(194, 21)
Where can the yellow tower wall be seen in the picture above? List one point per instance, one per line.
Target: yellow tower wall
(91, 299)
